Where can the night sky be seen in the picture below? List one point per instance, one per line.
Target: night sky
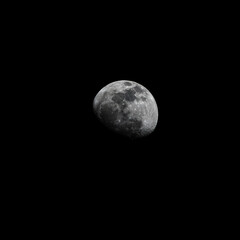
(80, 146)
(73, 157)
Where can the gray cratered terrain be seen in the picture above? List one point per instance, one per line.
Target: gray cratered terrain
(127, 108)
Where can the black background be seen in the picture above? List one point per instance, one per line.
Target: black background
(77, 59)
(72, 160)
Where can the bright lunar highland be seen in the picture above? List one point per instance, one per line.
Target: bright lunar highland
(126, 107)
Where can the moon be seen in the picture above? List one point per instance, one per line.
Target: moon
(127, 108)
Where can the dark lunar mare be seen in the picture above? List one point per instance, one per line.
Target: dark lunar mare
(138, 89)
(127, 84)
(130, 95)
(108, 114)
(130, 128)
(118, 98)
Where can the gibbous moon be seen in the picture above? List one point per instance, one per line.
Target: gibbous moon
(127, 108)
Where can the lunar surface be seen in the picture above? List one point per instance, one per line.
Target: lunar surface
(127, 108)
